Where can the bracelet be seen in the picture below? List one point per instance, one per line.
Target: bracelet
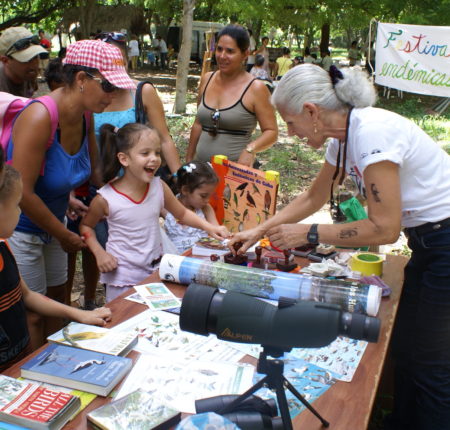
(250, 150)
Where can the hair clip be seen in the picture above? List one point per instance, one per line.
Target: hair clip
(116, 130)
(189, 168)
(335, 75)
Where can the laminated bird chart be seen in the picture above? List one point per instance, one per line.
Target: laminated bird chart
(244, 197)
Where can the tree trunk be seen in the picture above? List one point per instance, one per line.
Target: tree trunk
(325, 37)
(184, 57)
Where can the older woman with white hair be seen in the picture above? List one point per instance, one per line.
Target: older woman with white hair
(404, 176)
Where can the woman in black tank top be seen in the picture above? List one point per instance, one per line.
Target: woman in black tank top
(231, 102)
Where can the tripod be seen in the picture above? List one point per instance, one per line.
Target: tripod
(273, 369)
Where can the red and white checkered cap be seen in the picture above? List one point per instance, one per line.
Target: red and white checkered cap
(106, 58)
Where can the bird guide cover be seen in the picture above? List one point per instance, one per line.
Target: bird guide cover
(77, 368)
(244, 197)
(33, 405)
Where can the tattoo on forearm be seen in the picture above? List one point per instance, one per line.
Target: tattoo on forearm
(348, 233)
(375, 193)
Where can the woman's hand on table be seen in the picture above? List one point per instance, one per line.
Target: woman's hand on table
(247, 238)
(286, 236)
(219, 232)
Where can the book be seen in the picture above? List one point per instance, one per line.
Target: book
(7, 426)
(208, 246)
(35, 406)
(244, 197)
(77, 368)
(95, 338)
(137, 410)
(157, 296)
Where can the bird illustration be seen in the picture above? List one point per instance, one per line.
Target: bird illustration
(227, 195)
(250, 200)
(242, 187)
(245, 216)
(236, 214)
(241, 226)
(235, 199)
(85, 364)
(52, 356)
(267, 200)
(258, 218)
(256, 190)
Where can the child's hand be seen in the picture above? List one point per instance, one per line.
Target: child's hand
(106, 262)
(99, 316)
(219, 232)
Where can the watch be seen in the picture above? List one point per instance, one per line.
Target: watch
(313, 236)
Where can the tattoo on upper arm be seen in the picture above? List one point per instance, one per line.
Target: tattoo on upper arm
(375, 193)
(348, 233)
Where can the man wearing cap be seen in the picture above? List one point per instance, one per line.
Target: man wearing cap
(19, 61)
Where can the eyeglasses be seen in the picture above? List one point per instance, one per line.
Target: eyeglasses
(107, 86)
(114, 36)
(22, 44)
(215, 116)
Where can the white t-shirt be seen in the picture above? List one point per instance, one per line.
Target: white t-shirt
(133, 48)
(377, 135)
(162, 47)
(183, 236)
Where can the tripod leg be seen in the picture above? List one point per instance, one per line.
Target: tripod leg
(293, 390)
(243, 396)
(283, 404)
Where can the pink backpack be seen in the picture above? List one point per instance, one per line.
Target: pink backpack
(11, 105)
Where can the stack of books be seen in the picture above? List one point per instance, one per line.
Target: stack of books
(34, 406)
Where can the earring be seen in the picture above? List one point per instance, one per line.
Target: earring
(315, 128)
(81, 88)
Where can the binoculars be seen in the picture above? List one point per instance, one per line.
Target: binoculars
(253, 413)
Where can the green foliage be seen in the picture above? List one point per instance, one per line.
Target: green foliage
(414, 107)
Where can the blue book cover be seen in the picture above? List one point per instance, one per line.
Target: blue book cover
(7, 426)
(77, 368)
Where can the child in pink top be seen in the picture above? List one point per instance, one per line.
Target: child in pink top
(132, 204)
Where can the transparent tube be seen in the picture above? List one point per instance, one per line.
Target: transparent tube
(269, 284)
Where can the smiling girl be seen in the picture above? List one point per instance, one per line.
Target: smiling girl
(132, 204)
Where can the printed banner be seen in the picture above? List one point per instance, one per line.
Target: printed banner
(414, 58)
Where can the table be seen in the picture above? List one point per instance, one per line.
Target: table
(345, 405)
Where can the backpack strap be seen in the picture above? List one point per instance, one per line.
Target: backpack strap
(141, 115)
(52, 108)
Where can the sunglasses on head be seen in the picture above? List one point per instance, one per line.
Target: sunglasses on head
(215, 116)
(107, 86)
(113, 36)
(22, 44)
